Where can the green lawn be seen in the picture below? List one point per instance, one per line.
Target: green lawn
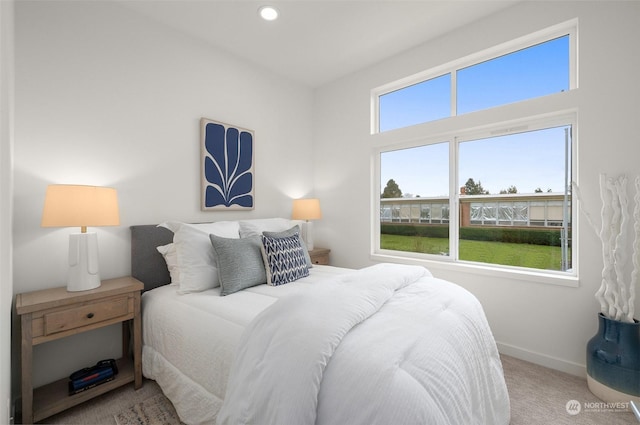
(509, 254)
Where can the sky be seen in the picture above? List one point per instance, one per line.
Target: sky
(530, 160)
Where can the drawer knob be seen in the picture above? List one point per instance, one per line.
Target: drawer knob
(90, 316)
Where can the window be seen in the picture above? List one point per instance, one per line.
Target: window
(536, 69)
(505, 217)
(422, 203)
(514, 77)
(509, 173)
(498, 193)
(426, 101)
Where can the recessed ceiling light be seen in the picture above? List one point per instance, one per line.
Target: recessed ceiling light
(268, 13)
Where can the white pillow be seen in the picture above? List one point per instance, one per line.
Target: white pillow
(196, 258)
(171, 258)
(229, 228)
(256, 227)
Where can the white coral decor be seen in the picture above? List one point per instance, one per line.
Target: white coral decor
(617, 293)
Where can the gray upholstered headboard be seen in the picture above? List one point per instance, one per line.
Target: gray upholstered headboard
(147, 264)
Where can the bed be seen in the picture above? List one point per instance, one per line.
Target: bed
(386, 344)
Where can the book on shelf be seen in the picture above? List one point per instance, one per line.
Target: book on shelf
(93, 385)
(90, 381)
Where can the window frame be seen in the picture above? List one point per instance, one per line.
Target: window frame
(527, 115)
(562, 118)
(569, 28)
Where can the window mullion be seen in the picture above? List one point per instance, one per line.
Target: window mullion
(454, 200)
(454, 92)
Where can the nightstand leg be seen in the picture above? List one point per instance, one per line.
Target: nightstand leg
(137, 342)
(126, 339)
(27, 357)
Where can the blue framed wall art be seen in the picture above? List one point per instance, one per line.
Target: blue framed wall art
(227, 166)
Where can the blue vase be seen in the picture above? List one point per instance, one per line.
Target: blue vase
(613, 356)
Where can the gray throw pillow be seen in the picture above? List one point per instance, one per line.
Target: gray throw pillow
(288, 233)
(240, 263)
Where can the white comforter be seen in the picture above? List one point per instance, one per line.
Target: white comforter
(383, 345)
(190, 340)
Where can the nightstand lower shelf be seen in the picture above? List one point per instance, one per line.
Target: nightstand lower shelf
(53, 398)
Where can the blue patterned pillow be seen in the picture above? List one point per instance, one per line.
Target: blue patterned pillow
(293, 231)
(284, 259)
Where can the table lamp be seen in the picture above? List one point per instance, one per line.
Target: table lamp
(307, 209)
(81, 206)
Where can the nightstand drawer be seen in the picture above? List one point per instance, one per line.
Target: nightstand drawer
(63, 320)
(322, 260)
(320, 256)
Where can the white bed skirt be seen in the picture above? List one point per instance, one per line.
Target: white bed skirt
(189, 398)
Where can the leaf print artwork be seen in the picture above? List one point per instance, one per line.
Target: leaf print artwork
(227, 174)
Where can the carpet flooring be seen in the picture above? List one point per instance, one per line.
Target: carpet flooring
(156, 410)
(538, 396)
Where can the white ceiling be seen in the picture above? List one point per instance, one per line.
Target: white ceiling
(313, 41)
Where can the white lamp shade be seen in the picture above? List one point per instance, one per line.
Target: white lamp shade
(80, 206)
(306, 209)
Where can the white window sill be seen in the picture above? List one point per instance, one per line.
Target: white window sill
(527, 275)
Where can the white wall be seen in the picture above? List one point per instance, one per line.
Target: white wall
(541, 322)
(6, 201)
(106, 97)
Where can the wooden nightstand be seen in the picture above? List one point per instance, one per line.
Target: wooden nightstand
(52, 314)
(320, 256)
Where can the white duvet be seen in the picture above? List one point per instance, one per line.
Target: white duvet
(388, 344)
(304, 353)
(190, 340)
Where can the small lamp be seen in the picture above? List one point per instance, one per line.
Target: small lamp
(307, 209)
(81, 206)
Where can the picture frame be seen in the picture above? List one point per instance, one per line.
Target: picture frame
(227, 166)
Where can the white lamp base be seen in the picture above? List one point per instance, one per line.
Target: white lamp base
(309, 235)
(84, 273)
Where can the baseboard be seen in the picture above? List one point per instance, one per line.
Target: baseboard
(543, 360)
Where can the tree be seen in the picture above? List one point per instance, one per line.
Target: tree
(391, 190)
(473, 188)
(512, 189)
